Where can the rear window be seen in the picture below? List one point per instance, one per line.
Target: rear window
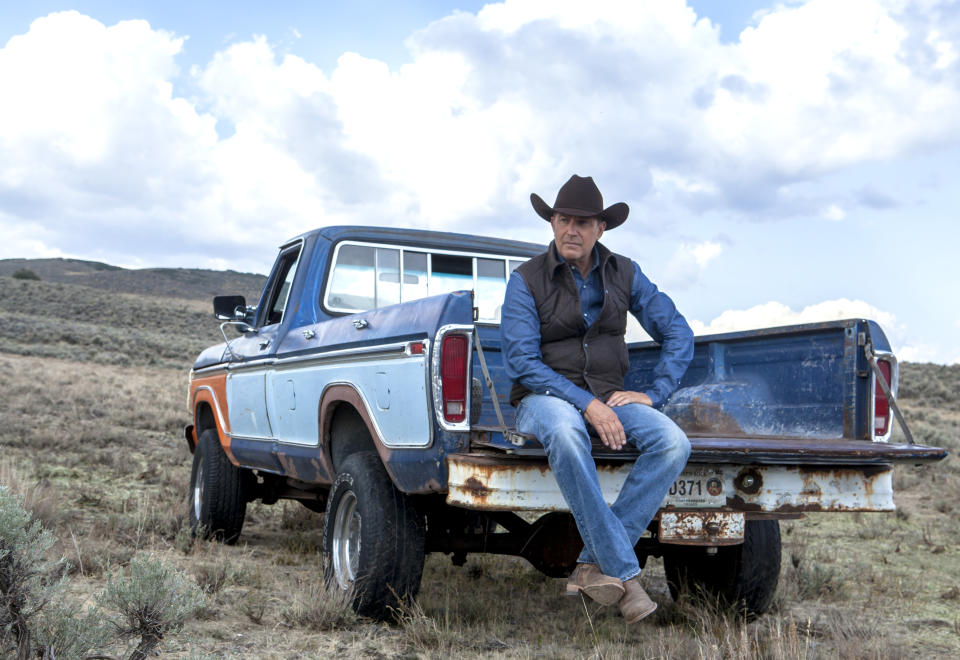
(370, 276)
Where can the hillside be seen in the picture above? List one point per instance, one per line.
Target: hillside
(87, 311)
(85, 324)
(189, 283)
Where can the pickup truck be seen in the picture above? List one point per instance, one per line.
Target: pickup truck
(367, 383)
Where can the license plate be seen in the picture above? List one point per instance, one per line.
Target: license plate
(700, 486)
(701, 527)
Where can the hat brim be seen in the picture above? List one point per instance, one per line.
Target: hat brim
(613, 216)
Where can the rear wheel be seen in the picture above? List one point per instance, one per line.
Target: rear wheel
(218, 501)
(373, 537)
(743, 577)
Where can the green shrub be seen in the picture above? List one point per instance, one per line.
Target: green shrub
(23, 572)
(154, 598)
(25, 274)
(35, 619)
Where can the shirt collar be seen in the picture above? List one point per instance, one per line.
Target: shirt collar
(600, 256)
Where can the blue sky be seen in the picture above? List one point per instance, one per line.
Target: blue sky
(783, 162)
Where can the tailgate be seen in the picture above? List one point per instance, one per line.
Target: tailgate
(758, 476)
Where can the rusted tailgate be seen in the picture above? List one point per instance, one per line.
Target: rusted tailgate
(758, 476)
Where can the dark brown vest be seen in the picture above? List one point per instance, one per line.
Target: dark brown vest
(593, 358)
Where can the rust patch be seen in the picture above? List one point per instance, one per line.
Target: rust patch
(707, 417)
(289, 466)
(701, 528)
(749, 481)
(477, 489)
(737, 503)
(811, 486)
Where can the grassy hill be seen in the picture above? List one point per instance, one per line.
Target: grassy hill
(188, 283)
(93, 362)
(91, 312)
(85, 324)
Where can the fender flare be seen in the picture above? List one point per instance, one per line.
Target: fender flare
(212, 391)
(334, 395)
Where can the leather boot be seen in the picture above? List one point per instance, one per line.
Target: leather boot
(588, 579)
(635, 604)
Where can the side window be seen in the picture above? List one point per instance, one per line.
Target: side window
(449, 272)
(353, 282)
(491, 285)
(414, 275)
(388, 276)
(280, 287)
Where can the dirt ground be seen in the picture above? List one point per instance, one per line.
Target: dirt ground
(98, 453)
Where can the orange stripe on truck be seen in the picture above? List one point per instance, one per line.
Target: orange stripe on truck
(212, 390)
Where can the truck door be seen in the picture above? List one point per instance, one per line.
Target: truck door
(255, 351)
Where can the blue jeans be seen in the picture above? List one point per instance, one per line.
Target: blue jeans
(609, 532)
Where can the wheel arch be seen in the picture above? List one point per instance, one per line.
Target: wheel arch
(208, 398)
(346, 427)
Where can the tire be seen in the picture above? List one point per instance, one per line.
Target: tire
(373, 538)
(742, 577)
(217, 502)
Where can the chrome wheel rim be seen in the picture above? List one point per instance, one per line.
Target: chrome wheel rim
(198, 492)
(346, 540)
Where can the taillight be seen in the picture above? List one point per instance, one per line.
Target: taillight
(453, 377)
(881, 405)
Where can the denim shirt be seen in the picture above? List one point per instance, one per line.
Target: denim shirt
(520, 335)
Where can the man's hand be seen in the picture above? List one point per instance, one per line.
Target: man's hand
(607, 424)
(623, 398)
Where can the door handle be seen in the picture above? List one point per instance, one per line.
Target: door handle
(360, 324)
(264, 344)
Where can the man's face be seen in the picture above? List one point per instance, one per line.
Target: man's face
(576, 236)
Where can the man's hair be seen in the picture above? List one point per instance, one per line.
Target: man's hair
(590, 217)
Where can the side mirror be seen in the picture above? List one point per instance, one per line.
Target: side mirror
(230, 308)
(233, 310)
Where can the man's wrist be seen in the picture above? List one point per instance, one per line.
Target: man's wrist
(655, 399)
(581, 400)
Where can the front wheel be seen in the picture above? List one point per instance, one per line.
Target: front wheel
(218, 502)
(743, 577)
(373, 538)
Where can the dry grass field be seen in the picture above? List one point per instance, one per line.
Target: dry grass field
(94, 443)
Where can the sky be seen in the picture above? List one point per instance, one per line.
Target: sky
(783, 162)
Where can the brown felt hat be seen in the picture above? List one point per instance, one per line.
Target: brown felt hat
(580, 197)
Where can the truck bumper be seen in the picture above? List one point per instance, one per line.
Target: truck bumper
(487, 482)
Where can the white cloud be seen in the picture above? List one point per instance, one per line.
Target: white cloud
(918, 353)
(773, 314)
(98, 149)
(834, 212)
(667, 179)
(706, 252)
(26, 239)
(688, 263)
(94, 147)
(905, 344)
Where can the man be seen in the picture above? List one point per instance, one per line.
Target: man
(562, 328)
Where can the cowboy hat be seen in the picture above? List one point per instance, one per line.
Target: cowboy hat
(580, 197)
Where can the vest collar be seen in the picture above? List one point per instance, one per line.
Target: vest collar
(555, 261)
